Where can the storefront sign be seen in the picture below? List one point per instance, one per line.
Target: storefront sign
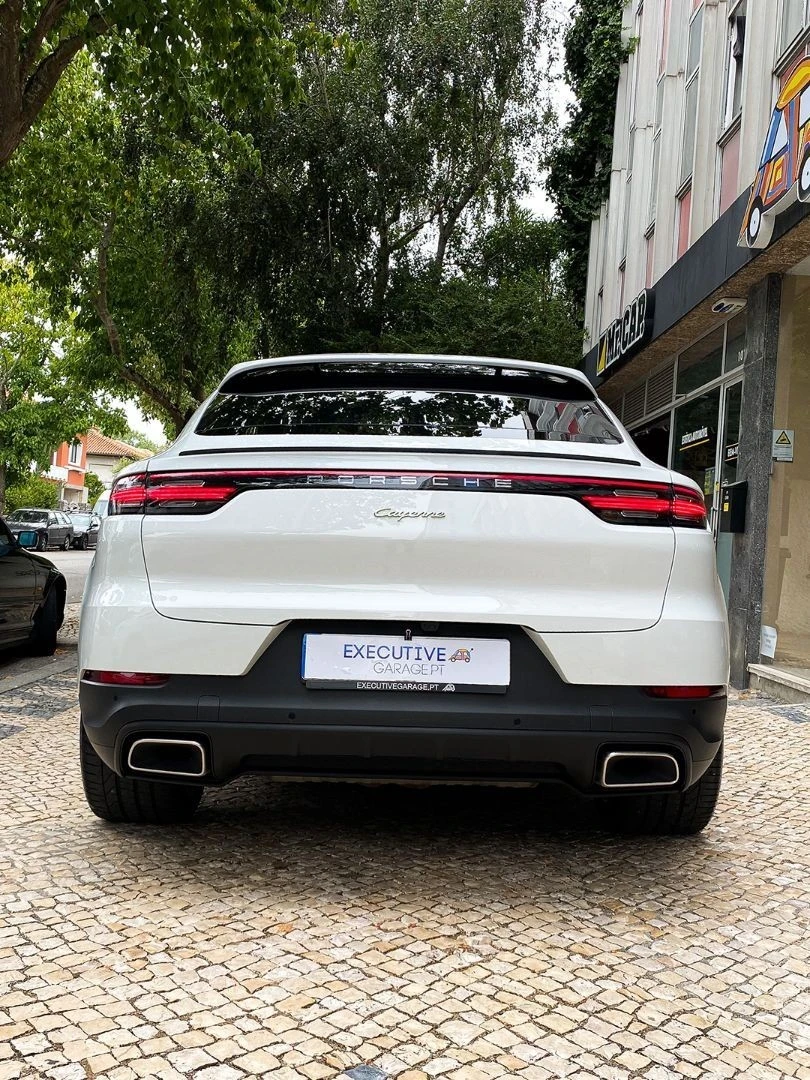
(691, 438)
(627, 335)
(784, 172)
(733, 452)
(783, 440)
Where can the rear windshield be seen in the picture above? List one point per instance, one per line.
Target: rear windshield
(407, 400)
(28, 515)
(80, 519)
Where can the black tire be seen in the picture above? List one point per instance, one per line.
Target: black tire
(84, 542)
(683, 813)
(66, 544)
(124, 799)
(47, 622)
(42, 542)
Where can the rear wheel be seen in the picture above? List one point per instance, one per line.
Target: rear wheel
(66, 544)
(124, 799)
(46, 623)
(683, 813)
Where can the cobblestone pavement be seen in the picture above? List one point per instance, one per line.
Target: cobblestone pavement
(324, 930)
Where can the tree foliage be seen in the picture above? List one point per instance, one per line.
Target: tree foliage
(377, 210)
(580, 165)
(131, 240)
(238, 50)
(42, 403)
(391, 164)
(95, 487)
(32, 491)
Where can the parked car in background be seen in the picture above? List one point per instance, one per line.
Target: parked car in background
(101, 505)
(85, 529)
(52, 527)
(32, 594)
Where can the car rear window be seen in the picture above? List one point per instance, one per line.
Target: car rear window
(408, 400)
(28, 515)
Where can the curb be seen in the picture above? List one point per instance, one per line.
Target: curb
(52, 667)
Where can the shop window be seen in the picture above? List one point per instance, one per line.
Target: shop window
(653, 440)
(684, 222)
(701, 364)
(729, 171)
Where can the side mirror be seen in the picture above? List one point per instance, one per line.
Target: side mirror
(27, 539)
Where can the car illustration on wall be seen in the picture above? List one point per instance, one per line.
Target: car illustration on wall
(784, 171)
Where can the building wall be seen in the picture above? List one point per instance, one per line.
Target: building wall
(69, 464)
(103, 467)
(661, 198)
(786, 604)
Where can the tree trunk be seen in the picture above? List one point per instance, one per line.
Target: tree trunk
(382, 275)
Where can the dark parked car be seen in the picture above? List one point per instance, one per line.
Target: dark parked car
(53, 528)
(85, 530)
(32, 595)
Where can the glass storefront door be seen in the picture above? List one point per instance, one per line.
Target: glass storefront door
(694, 449)
(706, 448)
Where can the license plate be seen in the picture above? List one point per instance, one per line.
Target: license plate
(422, 665)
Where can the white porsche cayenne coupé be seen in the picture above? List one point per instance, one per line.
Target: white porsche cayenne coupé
(403, 567)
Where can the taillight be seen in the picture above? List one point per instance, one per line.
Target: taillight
(125, 678)
(128, 494)
(683, 693)
(618, 502)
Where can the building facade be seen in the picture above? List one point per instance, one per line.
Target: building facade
(68, 468)
(697, 324)
(105, 455)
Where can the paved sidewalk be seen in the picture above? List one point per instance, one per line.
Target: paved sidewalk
(314, 931)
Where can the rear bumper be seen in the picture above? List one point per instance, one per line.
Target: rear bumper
(267, 721)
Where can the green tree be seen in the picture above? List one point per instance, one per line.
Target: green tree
(580, 165)
(191, 58)
(505, 299)
(42, 403)
(131, 238)
(349, 220)
(389, 165)
(33, 491)
(95, 487)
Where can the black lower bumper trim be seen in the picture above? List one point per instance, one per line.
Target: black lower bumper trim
(268, 721)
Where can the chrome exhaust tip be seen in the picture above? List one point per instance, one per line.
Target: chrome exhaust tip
(167, 757)
(629, 769)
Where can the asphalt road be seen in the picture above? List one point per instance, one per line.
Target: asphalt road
(75, 565)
